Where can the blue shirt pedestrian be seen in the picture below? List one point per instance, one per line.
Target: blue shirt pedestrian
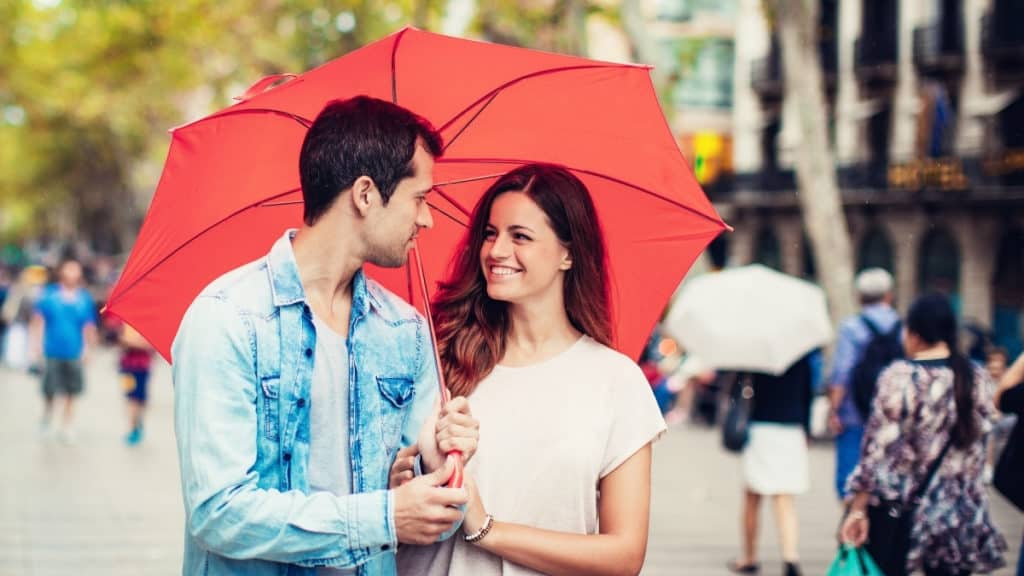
(66, 314)
(851, 341)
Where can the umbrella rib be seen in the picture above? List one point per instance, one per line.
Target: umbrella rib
(231, 112)
(523, 78)
(447, 215)
(591, 173)
(470, 122)
(394, 65)
(451, 200)
(115, 297)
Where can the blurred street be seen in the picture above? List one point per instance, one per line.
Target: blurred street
(100, 507)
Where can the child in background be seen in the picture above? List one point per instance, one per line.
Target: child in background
(134, 365)
(996, 361)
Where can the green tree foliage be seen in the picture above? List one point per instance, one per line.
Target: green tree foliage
(88, 89)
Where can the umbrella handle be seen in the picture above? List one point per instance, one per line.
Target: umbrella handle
(455, 480)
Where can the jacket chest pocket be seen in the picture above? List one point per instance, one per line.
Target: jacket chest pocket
(270, 389)
(396, 397)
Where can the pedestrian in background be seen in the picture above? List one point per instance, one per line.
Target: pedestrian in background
(775, 460)
(134, 365)
(17, 311)
(996, 360)
(874, 287)
(1009, 475)
(931, 414)
(62, 332)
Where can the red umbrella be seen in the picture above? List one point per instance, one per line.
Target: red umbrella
(230, 185)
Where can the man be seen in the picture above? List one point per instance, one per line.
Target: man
(63, 329)
(297, 379)
(874, 286)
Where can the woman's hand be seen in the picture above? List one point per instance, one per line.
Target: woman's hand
(855, 528)
(475, 512)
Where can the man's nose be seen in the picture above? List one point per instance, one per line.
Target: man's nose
(425, 219)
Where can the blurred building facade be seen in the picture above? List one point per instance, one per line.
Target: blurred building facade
(926, 116)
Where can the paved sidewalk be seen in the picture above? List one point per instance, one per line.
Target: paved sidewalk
(98, 507)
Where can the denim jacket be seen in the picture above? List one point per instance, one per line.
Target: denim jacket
(243, 363)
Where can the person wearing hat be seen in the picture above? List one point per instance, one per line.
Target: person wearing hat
(875, 289)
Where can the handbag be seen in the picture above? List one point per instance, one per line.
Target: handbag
(736, 426)
(890, 523)
(852, 561)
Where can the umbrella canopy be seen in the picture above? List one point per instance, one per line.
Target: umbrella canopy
(750, 318)
(230, 184)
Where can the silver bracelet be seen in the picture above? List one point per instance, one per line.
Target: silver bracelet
(479, 534)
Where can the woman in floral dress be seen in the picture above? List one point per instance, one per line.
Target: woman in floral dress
(934, 397)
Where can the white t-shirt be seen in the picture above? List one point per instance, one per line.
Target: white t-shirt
(329, 466)
(548, 433)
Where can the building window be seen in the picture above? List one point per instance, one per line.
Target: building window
(939, 265)
(767, 250)
(1008, 309)
(810, 268)
(879, 129)
(875, 250)
(718, 251)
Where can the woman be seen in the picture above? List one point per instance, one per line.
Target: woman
(524, 330)
(775, 459)
(935, 397)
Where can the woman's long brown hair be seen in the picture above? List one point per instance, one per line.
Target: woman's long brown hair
(472, 327)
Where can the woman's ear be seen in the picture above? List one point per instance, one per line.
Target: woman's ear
(566, 261)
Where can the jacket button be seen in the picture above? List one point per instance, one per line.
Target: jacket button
(301, 402)
(309, 352)
(385, 547)
(287, 457)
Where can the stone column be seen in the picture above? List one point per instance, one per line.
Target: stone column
(849, 138)
(790, 232)
(907, 102)
(970, 130)
(977, 237)
(741, 241)
(752, 43)
(906, 230)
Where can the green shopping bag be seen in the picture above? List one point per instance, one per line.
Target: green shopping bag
(852, 561)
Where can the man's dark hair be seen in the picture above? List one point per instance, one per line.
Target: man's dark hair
(360, 136)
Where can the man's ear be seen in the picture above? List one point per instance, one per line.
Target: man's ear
(364, 195)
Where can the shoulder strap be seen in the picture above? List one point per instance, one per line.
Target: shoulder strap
(919, 492)
(923, 487)
(875, 330)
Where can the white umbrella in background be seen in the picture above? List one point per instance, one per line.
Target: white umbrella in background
(750, 319)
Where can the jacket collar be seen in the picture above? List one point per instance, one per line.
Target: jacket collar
(286, 284)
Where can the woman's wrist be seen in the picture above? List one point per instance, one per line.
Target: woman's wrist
(476, 536)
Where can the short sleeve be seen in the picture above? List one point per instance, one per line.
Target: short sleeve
(635, 418)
